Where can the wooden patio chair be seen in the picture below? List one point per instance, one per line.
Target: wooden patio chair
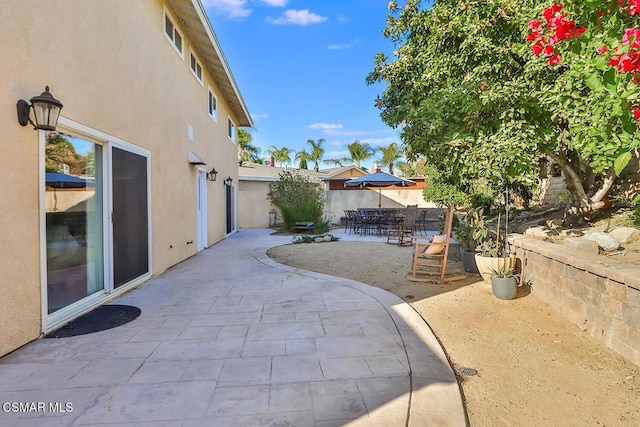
(404, 232)
(430, 258)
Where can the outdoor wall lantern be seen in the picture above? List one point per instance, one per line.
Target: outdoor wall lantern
(212, 174)
(46, 110)
(228, 182)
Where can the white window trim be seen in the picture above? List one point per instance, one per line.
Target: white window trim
(168, 15)
(213, 116)
(198, 63)
(235, 130)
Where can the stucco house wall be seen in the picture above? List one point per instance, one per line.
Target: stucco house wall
(115, 72)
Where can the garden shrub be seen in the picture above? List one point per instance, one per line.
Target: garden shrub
(298, 200)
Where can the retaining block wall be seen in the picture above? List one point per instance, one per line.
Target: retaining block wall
(601, 296)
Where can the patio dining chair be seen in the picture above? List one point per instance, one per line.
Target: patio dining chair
(404, 232)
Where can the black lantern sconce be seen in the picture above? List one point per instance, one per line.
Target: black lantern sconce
(46, 110)
(212, 174)
(228, 182)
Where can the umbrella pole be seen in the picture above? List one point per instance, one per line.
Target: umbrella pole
(379, 198)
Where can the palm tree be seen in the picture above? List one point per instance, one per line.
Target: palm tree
(336, 162)
(390, 155)
(247, 152)
(316, 152)
(301, 157)
(359, 151)
(281, 155)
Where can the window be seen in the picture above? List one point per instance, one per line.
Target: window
(173, 35)
(231, 130)
(213, 106)
(196, 68)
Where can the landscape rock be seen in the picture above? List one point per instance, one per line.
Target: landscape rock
(606, 242)
(583, 245)
(327, 238)
(538, 231)
(318, 240)
(625, 234)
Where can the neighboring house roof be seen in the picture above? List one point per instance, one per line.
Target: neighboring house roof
(257, 172)
(199, 30)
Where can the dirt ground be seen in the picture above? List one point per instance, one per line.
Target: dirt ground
(534, 368)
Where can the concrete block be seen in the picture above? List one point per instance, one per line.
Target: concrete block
(617, 290)
(582, 245)
(633, 296)
(612, 307)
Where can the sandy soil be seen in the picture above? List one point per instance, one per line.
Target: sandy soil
(534, 367)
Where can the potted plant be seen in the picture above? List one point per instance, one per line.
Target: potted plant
(504, 283)
(493, 256)
(471, 232)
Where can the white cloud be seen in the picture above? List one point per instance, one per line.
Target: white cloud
(260, 116)
(378, 142)
(277, 3)
(324, 126)
(231, 9)
(350, 133)
(344, 46)
(298, 17)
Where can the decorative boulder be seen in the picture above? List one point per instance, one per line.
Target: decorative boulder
(606, 242)
(625, 234)
(327, 238)
(538, 231)
(318, 240)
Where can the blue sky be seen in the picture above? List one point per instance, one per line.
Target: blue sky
(301, 67)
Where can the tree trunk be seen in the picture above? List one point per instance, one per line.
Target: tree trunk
(573, 181)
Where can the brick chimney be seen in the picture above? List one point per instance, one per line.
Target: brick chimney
(271, 161)
(375, 167)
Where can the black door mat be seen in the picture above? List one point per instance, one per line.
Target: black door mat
(102, 318)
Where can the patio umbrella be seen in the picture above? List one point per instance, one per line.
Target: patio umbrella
(379, 179)
(62, 180)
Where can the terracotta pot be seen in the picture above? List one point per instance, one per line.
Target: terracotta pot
(486, 264)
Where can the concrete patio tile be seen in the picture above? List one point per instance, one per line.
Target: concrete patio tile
(278, 318)
(379, 329)
(309, 316)
(245, 400)
(385, 396)
(283, 419)
(290, 369)
(241, 308)
(293, 307)
(237, 331)
(177, 310)
(357, 346)
(284, 397)
(341, 306)
(100, 350)
(199, 350)
(249, 371)
(277, 331)
(203, 370)
(156, 334)
(264, 348)
(387, 365)
(105, 372)
(63, 421)
(226, 319)
(345, 367)
(228, 300)
(46, 375)
(179, 321)
(199, 333)
(150, 402)
(356, 317)
(343, 330)
(80, 399)
(159, 371)
(300, 346)
(337, 400)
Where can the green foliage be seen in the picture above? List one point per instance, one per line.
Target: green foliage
(390, 156)
(316, 152)
(298, 200)
(472, 230)
(440, 189)
(467, 93)
(247, 152)
(360, 151)
(479, 200)
(503, 272)
(59, 150)
(280, 155)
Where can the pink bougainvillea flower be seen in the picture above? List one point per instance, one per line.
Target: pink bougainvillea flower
(548, 50)
(533, 24)
(378, 102)
(635, 110)
(631, 37)
(391, 5)
(537, 48)
(551, 11)
(534, 35)
(483, 86)
(634, 7)
(602, 49)
(555, 59)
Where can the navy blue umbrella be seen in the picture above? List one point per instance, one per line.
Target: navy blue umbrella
(379, 179)
(62, 180)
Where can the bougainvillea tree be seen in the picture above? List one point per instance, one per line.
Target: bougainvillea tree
(483, 89)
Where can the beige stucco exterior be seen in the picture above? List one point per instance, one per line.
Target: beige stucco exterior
(114, 70)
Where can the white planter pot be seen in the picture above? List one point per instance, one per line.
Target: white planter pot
(486, 264)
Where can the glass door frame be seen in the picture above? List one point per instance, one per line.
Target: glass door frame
(59, 317)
